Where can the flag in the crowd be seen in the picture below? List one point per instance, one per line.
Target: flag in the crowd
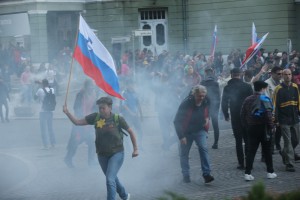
(96, 61)
(252, 50)
(254, 34)
(214, 42)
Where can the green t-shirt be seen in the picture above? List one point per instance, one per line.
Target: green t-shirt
(109, 140)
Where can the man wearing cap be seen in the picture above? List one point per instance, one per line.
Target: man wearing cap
(234, 93)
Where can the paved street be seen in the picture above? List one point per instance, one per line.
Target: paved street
(29, 173)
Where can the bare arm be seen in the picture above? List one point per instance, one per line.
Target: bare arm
(263, 70)
(134, 143)
(78, 122)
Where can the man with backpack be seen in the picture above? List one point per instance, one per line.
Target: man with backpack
(256, 117)
(46, 97)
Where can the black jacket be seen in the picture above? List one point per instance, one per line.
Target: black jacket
(213, 93)
(234, 94)
(184, 114)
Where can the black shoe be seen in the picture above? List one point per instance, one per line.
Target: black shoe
(289, 168)
(297, 157)
(282, 156)
(241, 167)
(208, 178)
(186, 179)
(215, 146)
(69, 163)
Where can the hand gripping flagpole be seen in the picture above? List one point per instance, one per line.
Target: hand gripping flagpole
(71, 67)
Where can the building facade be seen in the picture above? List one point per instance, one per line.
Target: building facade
(45, 27)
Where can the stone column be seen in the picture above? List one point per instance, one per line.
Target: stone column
(38, 36)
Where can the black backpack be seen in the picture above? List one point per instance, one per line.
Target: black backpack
(49, 101)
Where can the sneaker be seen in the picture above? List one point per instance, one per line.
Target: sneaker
(290, 168)
(128, 196)
(215, 146)
(208, 178)
(271, 175)
(186, 179)
(248, 177)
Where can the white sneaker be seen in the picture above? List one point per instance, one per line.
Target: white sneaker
(271, 175)
(248, 177)
(128, 196)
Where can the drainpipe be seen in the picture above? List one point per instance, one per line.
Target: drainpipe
(184, 25)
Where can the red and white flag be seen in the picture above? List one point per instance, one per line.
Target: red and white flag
(252, 50)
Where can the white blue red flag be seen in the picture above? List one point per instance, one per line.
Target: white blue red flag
(214, 43)
(252, 50)
(96, 61)
(254, 34)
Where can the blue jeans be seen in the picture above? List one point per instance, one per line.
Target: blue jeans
(110, 166)
(46, 119)
(200, 138)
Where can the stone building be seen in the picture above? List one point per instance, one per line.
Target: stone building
(45, 27)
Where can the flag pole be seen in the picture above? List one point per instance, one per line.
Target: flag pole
(71, 67)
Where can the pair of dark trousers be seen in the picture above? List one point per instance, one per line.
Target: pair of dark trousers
(240, 137)
(79, 135)
(256, 136)
(215, 124)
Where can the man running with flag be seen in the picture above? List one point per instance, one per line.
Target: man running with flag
(98, 64)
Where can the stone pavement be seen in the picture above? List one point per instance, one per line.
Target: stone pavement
(29, 173)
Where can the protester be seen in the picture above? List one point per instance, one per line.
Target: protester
(46, 116)
(109, 143)
(256, 117)
(213, 93)
(273, 81)
(191, 124)
(4, 96)
(26, 82)
(286, 103)
(132, 111)
(234, 93)
(84, 104)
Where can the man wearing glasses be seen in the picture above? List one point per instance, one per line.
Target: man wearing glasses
(286, 105)
(273, 81)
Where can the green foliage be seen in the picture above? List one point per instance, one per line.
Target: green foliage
(293, 195)
(258, 193)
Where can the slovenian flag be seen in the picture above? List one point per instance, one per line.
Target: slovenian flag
(254, 35)
(96, 61)
(252, 50)
(214, 43)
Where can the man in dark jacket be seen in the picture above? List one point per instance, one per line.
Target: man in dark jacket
(234, 94)
(191, 124)
(84, 104)
(213, 94)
